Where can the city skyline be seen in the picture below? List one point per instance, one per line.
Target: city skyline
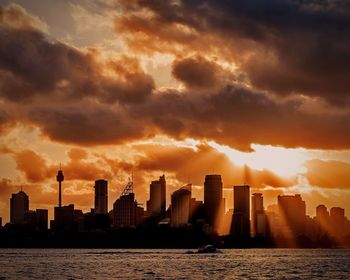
(108, 86)
(160, 139)
(213, 183)
(227, 195)
(249, 222)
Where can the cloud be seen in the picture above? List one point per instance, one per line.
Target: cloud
(32, 64)
(328, 174)
(76, 96)
(15, 16)
(285, 47)
(198, 72)
(193, 164)
(33, 166)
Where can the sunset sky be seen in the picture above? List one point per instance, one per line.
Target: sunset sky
(256, 91)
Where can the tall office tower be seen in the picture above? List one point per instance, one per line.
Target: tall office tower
(337, 218)
(37, 218)
(241, 210)
(63, 217)
(292, 211)
(0, 222)
(101, 197)
(337, 214)
(155, 199)
(213, 203)
(162, 195)
(258, 216)
(60, 179)
(322, 213)
(156, 205)
(322, 219)
(125, 211)
(180, 207)
(19, 206)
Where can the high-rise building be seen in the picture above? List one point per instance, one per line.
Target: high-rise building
(337, 214)
(241, 211)
(292, 211)
(258, 216)
(322, 213)
(19, 206)
(0, 222)
(322, 220)
(101, 197)
(197, 210)
(125, 211)
(337, 218)
(63, 217)
(162, 195)
(213, 203)
(60, 179)
(156, 205)
(37, 218)
(180, 207)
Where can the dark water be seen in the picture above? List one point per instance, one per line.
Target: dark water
(173, 264)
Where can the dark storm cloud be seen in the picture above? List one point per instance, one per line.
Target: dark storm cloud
(86, 124)
(284, 46)
(197, 72)
(237, 116)
(67, 93)
(33, 64)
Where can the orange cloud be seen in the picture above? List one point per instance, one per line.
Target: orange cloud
(328, 174)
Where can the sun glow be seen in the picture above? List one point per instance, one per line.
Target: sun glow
(283, 161)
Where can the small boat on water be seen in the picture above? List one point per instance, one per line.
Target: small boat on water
(207, 249)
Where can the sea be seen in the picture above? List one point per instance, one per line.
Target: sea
(174, 264)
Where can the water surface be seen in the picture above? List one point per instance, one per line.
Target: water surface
(173, 264)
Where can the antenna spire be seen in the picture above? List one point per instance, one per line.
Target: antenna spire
(129, 188)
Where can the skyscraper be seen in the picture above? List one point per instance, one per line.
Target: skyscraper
(101, 197)
(292, 211)
(258, 216)
(63, 217)
(337, 221)
(154, 202)
(162, 195)
(60, 179)
(125, 211)
(241, 210)
(156, 205)
(19, 206)
(37, 218)
(180, 207)
(213, 203)
(322, 220)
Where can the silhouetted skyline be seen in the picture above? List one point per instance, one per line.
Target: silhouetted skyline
(248, 224)
(106, 86)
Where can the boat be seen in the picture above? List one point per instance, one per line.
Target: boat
(207, 249)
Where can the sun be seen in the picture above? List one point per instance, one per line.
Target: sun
(286, 162)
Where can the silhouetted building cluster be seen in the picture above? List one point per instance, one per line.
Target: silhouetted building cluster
(247, 224)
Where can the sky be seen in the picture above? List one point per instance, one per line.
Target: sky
(257, 91)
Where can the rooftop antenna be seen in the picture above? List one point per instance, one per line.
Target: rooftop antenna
(129, 188)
